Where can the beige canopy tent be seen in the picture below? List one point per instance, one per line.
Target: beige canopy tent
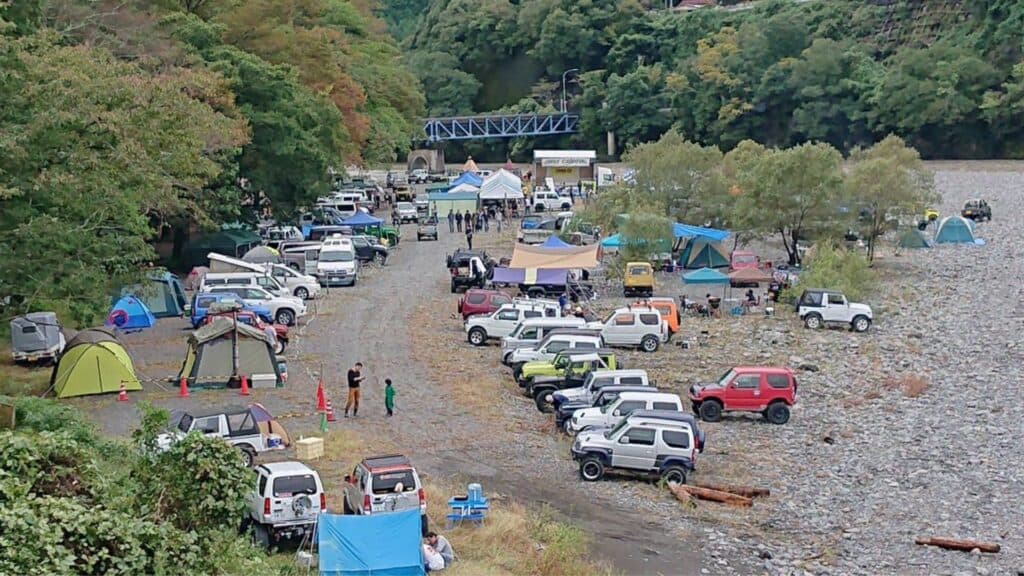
(749, 275)
(470, 166)
(524, 256)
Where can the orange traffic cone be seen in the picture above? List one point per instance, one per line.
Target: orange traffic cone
(320, 396)
(183, 388)
(122, 396)
(244, 390)
(330, 411)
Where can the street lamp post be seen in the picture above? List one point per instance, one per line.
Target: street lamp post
(564, 74)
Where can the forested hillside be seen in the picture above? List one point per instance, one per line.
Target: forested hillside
(124, 119)
(945, 74)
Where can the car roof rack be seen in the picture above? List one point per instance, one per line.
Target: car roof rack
(386, 461)
(664, 415)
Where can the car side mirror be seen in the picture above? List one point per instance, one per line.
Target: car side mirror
(624, 439)
(616, 413)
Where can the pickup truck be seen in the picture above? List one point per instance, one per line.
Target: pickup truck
(427, 229)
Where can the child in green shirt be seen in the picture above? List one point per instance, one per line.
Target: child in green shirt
(389, 397)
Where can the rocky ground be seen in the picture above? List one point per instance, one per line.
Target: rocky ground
(909, 430)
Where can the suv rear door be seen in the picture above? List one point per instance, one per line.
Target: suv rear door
(293, 498)
(384, 496)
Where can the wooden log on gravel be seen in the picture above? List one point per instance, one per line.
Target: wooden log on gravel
(748, 491)
(958, 544)
(712, 495)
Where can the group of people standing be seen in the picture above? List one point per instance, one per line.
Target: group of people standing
(472, 222)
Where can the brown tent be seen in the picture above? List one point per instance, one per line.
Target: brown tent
(749, 275)
(524, 256)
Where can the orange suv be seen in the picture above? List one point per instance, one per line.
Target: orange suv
(667, 308)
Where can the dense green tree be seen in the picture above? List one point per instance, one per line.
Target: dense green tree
(449, 91)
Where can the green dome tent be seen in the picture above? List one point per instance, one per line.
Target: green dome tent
(700, 253)
(94, 362)
(913, 238)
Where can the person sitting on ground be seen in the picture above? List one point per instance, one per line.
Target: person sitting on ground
(443, 547)
(432, 561)
(751, 299)
(714, 302)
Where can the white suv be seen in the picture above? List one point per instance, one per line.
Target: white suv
(634, 326)
(546, 200)
(596, 381)
(555, 342)
(530, 332)
(285, 502)
(504, 320)
(610, 415)
(283, 309)
(820, 307)
(651, 443)
(302, 286)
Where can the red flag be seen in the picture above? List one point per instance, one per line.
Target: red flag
(321, 403)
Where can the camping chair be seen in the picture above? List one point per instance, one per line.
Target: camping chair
(472, 507)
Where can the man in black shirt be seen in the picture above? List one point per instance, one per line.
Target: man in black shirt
(355, 378)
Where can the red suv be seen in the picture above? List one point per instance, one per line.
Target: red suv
(770, 391)
(481, 301)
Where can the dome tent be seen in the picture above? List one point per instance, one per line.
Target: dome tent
(262, 255)
(130, 314)
(94, 362)
(913, 238)
(955, 230)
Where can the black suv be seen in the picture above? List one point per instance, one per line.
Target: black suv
(464, 268)
(977, 210)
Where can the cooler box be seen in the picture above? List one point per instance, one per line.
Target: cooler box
(309, 448)
(263, 381)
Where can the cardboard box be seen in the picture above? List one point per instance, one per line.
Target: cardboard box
(309, 448)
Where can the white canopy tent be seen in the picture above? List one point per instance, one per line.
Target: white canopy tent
(502, 185)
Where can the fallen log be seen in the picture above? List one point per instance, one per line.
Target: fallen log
(958, 544)
(748, 491)
(708, 494)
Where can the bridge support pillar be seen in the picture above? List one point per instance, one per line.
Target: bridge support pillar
(430, 160)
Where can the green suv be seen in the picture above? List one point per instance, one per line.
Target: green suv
(567, 363)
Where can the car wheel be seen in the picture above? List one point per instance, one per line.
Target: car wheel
(248, 455)
(286, 317)
(454, 288)
(673, 475)
(777, 413)
(591, 469)
(261, 536)
(281, 345)
(301, 293)
(380, 258)
(294, 266)
(710, 411)
(567, 426)
(861, 323)
(649, 343)
(517, 371)
(813, 321)
(538, 208)
(540, 398)
(477, 336)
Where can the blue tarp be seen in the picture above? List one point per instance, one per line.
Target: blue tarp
(705, 276)
(376, 545)
(467, 178)
(554, 241)
(361, 219)
(687, 231)
(130, 314)
(613, 241)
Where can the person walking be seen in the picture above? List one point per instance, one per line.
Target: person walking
(389, 397)
(467, 220)
(355, 378)
(498, 217)
(458, 221)
(486, 217)
(469, 236)
(451, 221)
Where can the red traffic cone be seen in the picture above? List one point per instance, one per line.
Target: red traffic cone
(183, 387)
(330, 411)
(244, 390)
(321, 406)
(122, 396)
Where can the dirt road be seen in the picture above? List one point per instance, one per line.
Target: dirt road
(372, 325)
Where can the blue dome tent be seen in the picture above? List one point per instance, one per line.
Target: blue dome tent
(955, 230)
(129, 315)
(554, 241)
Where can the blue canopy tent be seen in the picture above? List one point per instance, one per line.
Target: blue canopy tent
(129, 315)
(554, 241)
(375, 545)
(705, 276)
(613, 241)
(361, 220)
(470, 178)
(709, 234)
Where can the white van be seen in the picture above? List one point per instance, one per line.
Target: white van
(610, 415)
(336, 264)
(260, 279)
(297, 284)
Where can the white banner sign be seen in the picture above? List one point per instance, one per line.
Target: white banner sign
(565, 162)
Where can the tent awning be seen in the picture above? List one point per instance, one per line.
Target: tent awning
(470, 178)
(223, 325)
(463, 188)
(524, 256)
(362, 219)
(502, 185)
(705, 276)
(688, 231)
(551, 277)
(750, 275)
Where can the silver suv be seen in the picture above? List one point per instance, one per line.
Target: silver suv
(285, 502)
(648, 442)
(384, 484)
(555, 342)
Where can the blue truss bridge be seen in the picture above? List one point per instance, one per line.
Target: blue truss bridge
(499, 126)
